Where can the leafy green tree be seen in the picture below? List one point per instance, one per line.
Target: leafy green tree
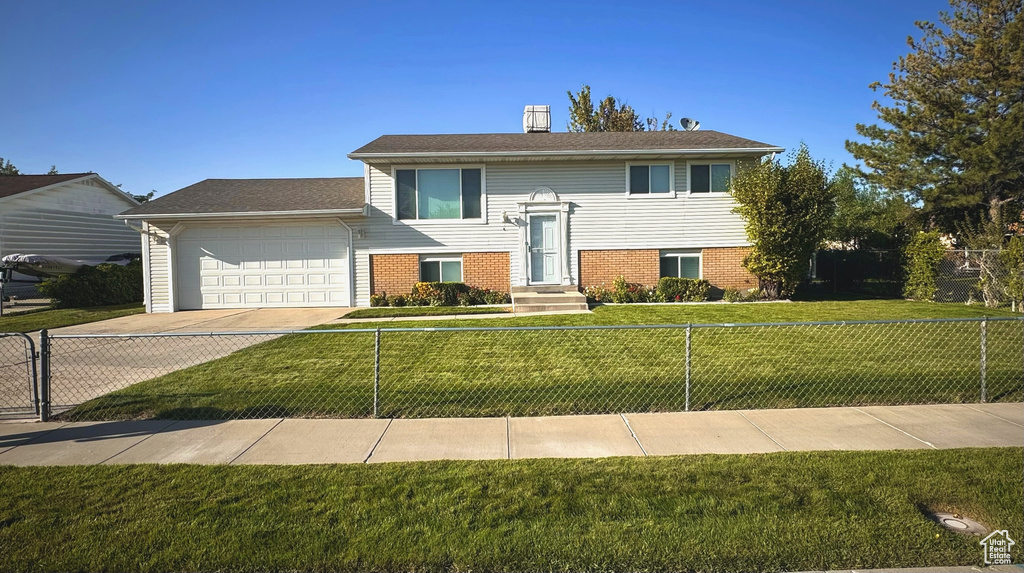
(7, 168)
(955, 129)
(144, 198)
(609, 114)
(923, 256)
(788, 212)
(53, 170)
(867, 217)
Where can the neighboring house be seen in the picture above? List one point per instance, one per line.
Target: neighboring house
(69, 215)
(501, 211)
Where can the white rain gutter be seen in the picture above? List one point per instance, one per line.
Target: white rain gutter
(251, 214)
(599, 152)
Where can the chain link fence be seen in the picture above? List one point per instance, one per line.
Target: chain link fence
(19, 390)
(531, 371)
(979, 277)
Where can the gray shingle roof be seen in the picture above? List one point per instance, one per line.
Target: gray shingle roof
(15, 184)
(214, 196)
(556, 142)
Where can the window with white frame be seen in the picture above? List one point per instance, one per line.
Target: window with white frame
(680, 265)
(438, 193)
(649, 179)
(709, 177)
(441, 269)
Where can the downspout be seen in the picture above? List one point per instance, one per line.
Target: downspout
(351, 264)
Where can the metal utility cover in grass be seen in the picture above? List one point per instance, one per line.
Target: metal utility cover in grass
(959, 523)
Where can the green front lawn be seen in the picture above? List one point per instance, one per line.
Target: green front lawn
(523, 373)
(388, 311)
(33, 320)
(771, 512)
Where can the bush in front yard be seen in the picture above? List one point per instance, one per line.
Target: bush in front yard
(442, 294)
(99, 285)
(671, 289)
(923, 256)
(623, 291)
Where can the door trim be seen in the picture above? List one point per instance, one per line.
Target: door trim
(544, 201)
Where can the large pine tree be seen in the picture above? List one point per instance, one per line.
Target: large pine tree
(954, 139)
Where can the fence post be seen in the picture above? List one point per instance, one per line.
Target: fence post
(687, 367)
(376, 372)
(44, 375)
(984, 359)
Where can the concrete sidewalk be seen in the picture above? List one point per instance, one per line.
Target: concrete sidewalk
(303, 441)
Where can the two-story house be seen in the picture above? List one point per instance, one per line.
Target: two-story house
(502, 211)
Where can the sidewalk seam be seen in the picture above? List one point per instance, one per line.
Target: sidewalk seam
(784, 448)
(377, 443)
(994, 415)
(929, 444)
(249, 447)
(632, 433)
(172, 422)
(508, 438)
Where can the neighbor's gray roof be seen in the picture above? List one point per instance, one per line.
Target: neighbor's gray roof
(553, 143)
(214, 196)
(15, 184)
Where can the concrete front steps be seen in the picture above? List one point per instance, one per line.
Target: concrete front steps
(547, 298)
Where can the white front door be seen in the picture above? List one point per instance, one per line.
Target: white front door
(544, 246)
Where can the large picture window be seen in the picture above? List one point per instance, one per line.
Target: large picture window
(649, 179)
(443, 269)
(438, 193)
(710, 177)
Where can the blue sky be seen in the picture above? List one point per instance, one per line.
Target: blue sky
(159, 95)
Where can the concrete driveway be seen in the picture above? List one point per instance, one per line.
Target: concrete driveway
(85, 368)
(227, 320)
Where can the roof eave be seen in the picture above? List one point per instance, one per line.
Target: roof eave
(562, 153)
(250, 214)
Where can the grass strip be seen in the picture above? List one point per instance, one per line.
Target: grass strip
(31, 321)
(384, 312)
(772, 512)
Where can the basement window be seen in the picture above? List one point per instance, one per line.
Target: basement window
(680, 265)
(441, 269)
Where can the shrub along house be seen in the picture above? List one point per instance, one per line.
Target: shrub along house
(540, 214)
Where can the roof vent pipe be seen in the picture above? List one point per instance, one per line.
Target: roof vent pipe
(537, 119)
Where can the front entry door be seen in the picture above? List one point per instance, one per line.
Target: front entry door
(543, 249)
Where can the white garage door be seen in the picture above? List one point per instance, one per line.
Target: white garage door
(265, 265)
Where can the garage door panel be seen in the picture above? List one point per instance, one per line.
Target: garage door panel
(255, 266)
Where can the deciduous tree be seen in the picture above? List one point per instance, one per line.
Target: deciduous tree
(788, 212)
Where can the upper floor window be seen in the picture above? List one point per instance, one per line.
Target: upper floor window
(438, 193)
(655, 178)
(710, 177)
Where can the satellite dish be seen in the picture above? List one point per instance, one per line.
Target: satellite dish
(689, 124)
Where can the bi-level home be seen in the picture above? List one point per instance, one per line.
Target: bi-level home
(531, 211)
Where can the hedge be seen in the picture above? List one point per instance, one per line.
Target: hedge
(100, 285)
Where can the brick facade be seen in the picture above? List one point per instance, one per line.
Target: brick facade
(723, 268)
(637, 265)
(486, 270)
(396, 274)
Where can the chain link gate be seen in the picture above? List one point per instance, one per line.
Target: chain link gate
(19, 384)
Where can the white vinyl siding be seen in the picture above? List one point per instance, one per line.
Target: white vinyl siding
(74, 220)
(602, 216)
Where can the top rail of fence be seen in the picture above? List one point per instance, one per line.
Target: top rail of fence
(539, 328)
